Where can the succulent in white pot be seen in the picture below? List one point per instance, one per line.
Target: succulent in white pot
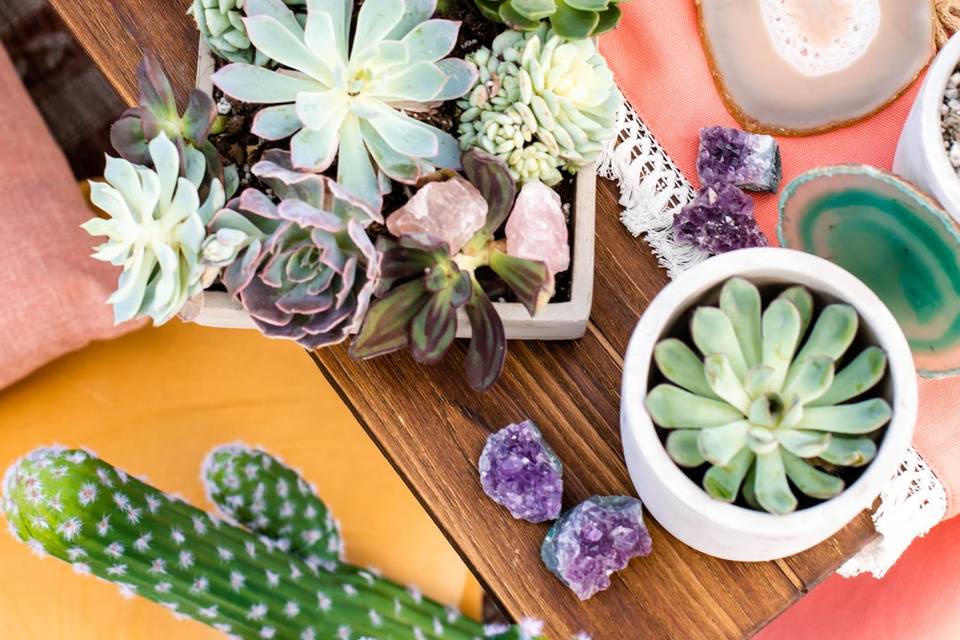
(768, 395)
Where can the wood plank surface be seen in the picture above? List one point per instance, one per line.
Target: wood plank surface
(432, 427)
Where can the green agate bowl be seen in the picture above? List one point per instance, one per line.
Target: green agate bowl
(893, 238)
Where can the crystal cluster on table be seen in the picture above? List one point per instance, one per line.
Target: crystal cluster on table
(593, 540)
(729, 161)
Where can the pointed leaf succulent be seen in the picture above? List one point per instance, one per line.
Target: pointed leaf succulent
(220, 23)
(763, 406)
(351, 102)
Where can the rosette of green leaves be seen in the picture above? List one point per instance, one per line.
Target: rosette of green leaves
(221, 24)
(304, 269)
(157, 113)
(569, 18)
(351, 103)
(542, 103)
(422, 287)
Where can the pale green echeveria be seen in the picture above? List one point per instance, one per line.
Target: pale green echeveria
(541, 103)
(155, 230)
(221, 24)
(766, 414)
(352, 106)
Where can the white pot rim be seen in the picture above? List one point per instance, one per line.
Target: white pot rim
(931, 96)
(771, 264)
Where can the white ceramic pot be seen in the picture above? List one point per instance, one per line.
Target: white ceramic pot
(921, 157)
(677, 502)
(557, 321)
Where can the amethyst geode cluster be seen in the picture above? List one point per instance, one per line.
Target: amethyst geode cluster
(520, 471)
(593, 540)
(720, 218)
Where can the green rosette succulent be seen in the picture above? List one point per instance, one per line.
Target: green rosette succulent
(221, 24)
(351, 103)
(304, 269)
(763, 412)
(239, 580)
(422, 287)
(542, 103)
(155, 229)
(568, 18)
(157, 113)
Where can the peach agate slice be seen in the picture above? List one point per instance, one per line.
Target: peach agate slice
(796, 67)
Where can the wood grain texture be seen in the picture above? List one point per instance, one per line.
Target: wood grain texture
(432, 427)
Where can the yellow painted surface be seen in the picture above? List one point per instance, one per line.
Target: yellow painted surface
(154, 403)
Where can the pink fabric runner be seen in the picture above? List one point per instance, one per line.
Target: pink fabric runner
(659, 63)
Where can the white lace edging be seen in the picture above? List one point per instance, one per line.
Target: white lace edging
(652, 191)
(912, 504)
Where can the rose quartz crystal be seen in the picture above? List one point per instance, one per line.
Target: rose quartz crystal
(452, 211)
(537, 229)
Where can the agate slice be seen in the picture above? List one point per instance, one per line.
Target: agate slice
(892, 237)
(796, 67)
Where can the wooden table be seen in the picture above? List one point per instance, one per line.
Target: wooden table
(432, 427)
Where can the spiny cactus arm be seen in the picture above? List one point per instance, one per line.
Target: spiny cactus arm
(267, 497)
(861, 375)
(71, 505)
(740, 300)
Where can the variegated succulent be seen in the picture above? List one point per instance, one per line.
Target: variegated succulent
(423, 286)
(542, 103)
(304, 269)
(762, 411)
(568, 18)
(155, 229)
(275, 575)
(157, 113)
(221, 24)
(353, 106)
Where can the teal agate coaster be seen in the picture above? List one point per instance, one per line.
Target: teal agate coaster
(895, 239)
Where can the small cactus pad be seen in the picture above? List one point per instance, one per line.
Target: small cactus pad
(746, 160)
(520, 471)
(593, 540)
(892, 237)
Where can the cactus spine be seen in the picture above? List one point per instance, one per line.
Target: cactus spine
(71, 505)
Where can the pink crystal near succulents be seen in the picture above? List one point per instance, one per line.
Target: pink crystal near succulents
(452, 211)
(537, 228)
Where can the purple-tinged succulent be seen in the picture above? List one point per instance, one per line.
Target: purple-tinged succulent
(593, 540)
(520, 471)
(423, 286)
(157, 113)
(304, 269)
(718, 220)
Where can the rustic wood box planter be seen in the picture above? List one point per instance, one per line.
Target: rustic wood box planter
(558, 320)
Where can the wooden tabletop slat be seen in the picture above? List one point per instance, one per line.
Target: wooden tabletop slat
(432, 427)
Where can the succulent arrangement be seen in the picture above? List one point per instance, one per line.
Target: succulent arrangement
(276, 573)
(769, 406)
(379, 197)
(570, 19)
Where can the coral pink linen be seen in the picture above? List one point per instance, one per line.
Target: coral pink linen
(660, 65)
(51, 292)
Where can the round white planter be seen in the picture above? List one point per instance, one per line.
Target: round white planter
(921, 157)
(680, 505)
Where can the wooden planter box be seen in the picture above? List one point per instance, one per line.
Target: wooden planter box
(557, 321)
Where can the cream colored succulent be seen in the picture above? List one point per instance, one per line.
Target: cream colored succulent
(155, 230)
(542, 103)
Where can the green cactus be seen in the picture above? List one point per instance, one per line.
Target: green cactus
(758, 410)
(71, 505)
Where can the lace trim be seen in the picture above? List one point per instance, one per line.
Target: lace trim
(652, 191)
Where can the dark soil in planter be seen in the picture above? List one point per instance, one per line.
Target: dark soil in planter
(680, 328)
(240, 147)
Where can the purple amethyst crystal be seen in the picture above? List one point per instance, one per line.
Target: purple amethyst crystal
(594, 539)
(718, 220)
(747, 160)
(520, 471)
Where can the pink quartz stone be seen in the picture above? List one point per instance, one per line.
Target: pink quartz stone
(452, 211)
(537, 229)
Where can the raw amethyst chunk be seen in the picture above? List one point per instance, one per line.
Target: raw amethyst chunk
(747, 160)
(594, 539)
(718, 220)
(520, 471)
